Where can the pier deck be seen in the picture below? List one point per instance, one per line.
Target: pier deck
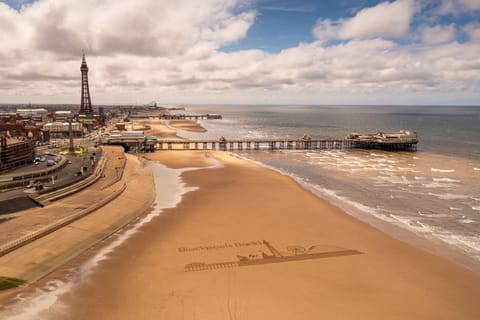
(287, 144)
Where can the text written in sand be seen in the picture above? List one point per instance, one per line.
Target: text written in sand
(226, 245)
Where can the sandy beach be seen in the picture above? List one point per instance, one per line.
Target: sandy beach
(250, 243)
(234, 210)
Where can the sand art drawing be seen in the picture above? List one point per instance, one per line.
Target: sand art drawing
(294, 253)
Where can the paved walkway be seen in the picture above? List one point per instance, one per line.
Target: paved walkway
(43, 255)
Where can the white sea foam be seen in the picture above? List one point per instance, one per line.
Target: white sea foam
(394, 180)
(448, 196)
(442, 170)
(476, 208)
(434, 215)
(469, 244)
(411, 223)
(170, 189)
(476, 169)
(434, 185)
(445, 180)
(466, 221)
(405, 169)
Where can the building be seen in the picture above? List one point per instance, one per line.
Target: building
(22, 131)
(62, 115)
(15, 153)
(38, 115)
(61, 129)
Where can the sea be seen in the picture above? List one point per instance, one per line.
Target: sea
(433, 192)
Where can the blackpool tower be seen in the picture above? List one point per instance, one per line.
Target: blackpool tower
(86, 103)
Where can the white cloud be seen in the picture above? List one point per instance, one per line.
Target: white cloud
(459, 6)
(385, 20)
(438, 34)
(473, 31)
(170, 51)
(149, 27)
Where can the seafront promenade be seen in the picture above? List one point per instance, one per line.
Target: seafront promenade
(37, 241)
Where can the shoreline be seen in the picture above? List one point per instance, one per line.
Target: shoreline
(430, 245)
(390, 272)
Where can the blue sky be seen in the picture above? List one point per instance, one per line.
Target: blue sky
(238, 51)
(284, 24)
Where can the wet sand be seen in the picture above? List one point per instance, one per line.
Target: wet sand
(167, 129)
(236, 208)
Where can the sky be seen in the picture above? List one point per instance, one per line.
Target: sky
(406, 52)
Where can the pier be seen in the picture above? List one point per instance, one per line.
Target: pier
(397, 141)
(166, 116)
(208, 116)
(287, 144)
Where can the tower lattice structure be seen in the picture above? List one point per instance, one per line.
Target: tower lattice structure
(86, 103)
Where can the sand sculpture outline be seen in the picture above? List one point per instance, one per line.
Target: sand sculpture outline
(295, 253)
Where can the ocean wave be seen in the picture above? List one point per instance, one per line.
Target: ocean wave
(434, 215)
(476, 169)
(448, 196)
(412, 223)
(394, 180)
(445, 180)
(476, 208)
(466, 243)
(442, 170)
(469, 244)
(435, 185)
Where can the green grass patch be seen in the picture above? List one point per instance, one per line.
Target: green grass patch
(9, 283)
(78, 150)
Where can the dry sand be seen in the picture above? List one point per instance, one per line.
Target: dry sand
(237, 207)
